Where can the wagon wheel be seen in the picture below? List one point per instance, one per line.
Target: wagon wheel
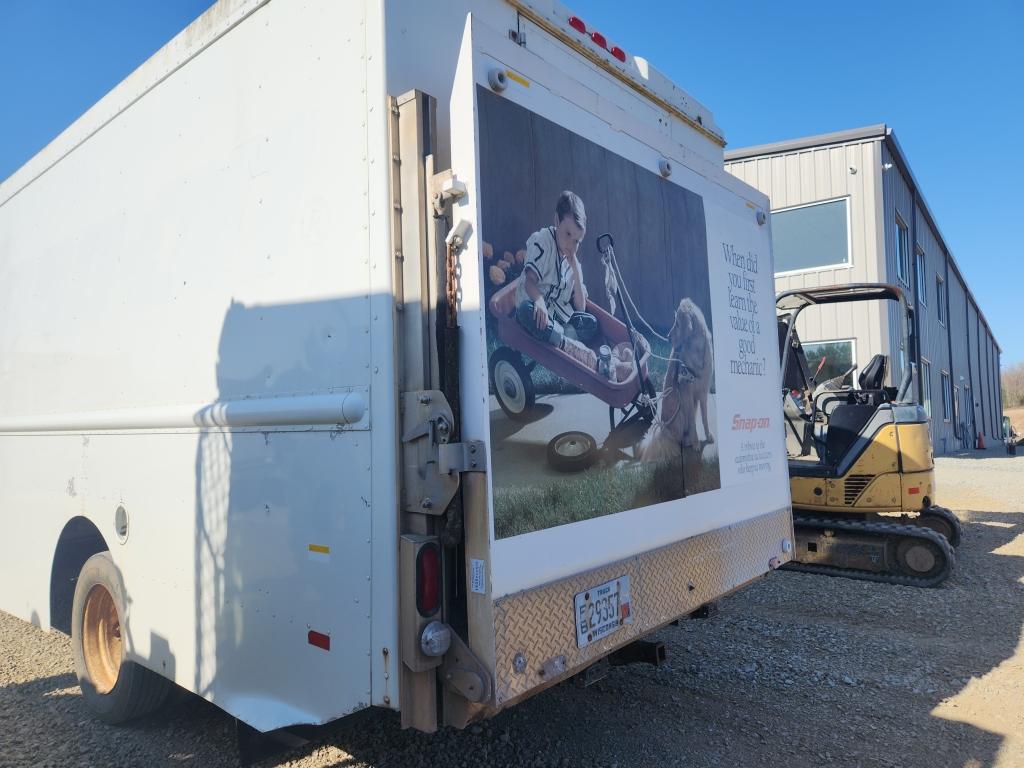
(572, 451)
(513, 385)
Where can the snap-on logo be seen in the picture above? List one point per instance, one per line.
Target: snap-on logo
(744, 424)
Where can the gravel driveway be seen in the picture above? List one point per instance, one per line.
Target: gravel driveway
(796, 670)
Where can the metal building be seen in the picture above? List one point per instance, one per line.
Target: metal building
(847, 208)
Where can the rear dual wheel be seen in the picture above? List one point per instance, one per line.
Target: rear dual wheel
(115, 689)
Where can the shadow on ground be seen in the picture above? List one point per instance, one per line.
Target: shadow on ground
(797, 669)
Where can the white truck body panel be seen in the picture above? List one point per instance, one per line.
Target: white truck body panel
(207, 249)
(196, 288)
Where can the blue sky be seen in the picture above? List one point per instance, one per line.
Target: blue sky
(949, 78)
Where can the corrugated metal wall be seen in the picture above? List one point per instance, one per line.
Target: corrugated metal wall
(819, 174)
(897, 200)
(963, 416)
(876, 194)
(934, 336)
(973, 367)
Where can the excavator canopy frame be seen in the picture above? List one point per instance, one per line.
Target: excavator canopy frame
(793, 302)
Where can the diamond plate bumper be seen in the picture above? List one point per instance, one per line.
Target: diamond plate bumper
(535, 634)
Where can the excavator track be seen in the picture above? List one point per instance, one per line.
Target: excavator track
(886, 553)
(941, 520)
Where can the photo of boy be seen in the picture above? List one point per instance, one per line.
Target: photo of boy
(552, 298)
(600, 401)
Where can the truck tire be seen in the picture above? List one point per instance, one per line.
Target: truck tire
(115, 689)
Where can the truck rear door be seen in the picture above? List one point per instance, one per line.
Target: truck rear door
(634, 453)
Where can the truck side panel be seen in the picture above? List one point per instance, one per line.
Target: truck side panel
(206, 252)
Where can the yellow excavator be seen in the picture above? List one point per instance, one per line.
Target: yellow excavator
(861, 467)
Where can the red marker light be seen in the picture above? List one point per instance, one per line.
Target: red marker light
(428, 580)
(913, 490)
(599, 39)
(319, 639)
(577, 23)
(619, 54)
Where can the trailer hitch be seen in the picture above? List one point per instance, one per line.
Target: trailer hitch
(639, 652)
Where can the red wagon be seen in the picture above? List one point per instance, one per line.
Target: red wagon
(630, 408)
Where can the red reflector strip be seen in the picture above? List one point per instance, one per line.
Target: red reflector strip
(599, 39)
(319, 639)
(428, 579)
(619, 54)
(913, 490)
(577, 23)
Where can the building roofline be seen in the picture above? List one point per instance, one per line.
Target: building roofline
(878, 131)
(883, 133)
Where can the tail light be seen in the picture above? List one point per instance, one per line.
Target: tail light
(428, 580)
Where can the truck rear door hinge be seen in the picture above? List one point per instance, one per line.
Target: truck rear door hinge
(461, 457)
(431, 463)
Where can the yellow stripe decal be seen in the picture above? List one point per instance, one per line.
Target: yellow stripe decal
(518, 78)
(320, 548)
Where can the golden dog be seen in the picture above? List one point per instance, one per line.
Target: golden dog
(686, 388)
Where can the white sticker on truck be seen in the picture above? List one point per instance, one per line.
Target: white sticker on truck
(477, 576)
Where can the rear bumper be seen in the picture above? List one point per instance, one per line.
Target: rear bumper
(537, 625)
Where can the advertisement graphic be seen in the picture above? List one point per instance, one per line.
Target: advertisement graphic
(599, 329)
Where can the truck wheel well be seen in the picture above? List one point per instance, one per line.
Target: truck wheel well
(79, 541)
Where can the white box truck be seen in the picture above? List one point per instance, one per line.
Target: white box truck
(382, 353)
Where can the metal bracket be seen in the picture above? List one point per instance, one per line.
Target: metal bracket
(446, 190)
(432, 464)
(464, 673)
(461, 457)
(427, 423)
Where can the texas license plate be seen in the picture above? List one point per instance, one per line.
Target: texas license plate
(602, 610)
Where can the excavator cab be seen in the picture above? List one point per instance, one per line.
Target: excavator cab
(860, 456)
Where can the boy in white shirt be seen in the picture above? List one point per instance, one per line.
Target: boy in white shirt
(551, 298)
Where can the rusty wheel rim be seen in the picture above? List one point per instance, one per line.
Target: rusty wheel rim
(101, 639)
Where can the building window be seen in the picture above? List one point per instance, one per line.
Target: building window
(947, 397)
(902, 252)
(811, 237)
(828, 359)
(940, 298)
(922, 283)
(926, 381)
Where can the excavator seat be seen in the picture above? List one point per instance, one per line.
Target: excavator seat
(874, 373)
(844, 425)
(872, 383)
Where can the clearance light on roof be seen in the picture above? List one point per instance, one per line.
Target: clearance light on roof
(597, 38)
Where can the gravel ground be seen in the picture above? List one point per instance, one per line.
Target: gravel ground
(796, 670)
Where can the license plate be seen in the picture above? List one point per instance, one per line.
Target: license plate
(602, 610)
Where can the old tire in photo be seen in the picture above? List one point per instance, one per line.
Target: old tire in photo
(513, 385)
(115, 689)
(572, 451)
